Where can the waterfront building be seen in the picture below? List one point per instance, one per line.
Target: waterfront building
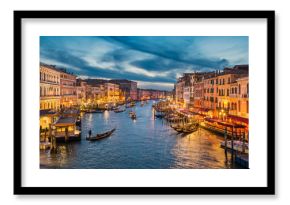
(243, 97)
(65, 129)
(97, 94)
(144, 94)
(82, 92)
(198, 89)
(49, 87)
(220, 91)
(157, 94)
(67, 89)
(186, 94)
(112, 92)
(179, 91)
(47, 118)
(128, 88)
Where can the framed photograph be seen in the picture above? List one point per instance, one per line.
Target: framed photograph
(144, 102)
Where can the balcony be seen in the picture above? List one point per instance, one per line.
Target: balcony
(49, 82)
(46, 97)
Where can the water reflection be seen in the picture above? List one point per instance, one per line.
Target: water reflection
(139, 144)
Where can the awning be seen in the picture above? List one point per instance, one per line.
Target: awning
(47, 112)
(204, 109)
(240, 119)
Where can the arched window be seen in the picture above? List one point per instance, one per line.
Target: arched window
(239, 88)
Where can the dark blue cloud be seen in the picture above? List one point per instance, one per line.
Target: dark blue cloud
(173, 48)
(150, 58)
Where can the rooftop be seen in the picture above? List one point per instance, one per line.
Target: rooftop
(65, 121)
(53, 67)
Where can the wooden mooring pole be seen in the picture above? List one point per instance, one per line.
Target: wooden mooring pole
(226, 144)
(232, 145)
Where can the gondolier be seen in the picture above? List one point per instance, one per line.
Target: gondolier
(90, 133)
(101, 135)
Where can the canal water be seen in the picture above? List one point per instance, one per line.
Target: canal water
(144, 143)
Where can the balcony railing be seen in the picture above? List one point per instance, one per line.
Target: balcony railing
(49, 82)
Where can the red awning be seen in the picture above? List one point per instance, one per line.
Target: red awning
(240, 119)
(204, 109)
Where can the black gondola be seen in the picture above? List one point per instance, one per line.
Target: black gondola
(159, 115)
(120, 110)
(94, 111)
(102, 135)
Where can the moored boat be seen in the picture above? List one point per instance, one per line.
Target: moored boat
(119, 110)
(187, 128)
(160, 115)
(94, 111)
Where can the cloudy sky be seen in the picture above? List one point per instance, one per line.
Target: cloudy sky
(152, 61)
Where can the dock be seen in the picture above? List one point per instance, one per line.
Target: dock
(65, 130)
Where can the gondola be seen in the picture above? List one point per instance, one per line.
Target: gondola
(101, 136)
(94, 111)
(133, 115)
(159, 115)
(117, 111)
(186, 129)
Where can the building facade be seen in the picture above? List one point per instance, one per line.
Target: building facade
(112, 92)
(179, 89)
(49, 88)
(68, 89)
(222, 92)
(128, 88)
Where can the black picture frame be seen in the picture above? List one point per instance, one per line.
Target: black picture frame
(268, 190)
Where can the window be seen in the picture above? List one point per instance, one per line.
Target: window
(223, 81)
(216, 81)
(228, 92)
(239, 106)
(239, 88)
(247, 88)
(236, 91)
(229, 80)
